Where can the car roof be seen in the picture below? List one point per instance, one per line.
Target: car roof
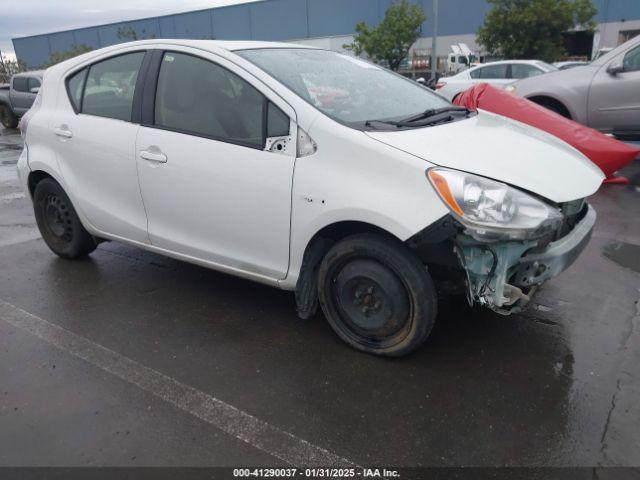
(253, 45)
(212, 46)
(230, 45)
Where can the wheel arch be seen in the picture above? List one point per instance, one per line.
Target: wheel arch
(35, 177)
(41, 171)
(306, 287)
(544, 99)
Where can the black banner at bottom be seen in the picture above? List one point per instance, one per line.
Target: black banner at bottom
(427, 473)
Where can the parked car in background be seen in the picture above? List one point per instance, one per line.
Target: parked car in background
(601, 52)
(569, 64)
(17, 97)
(498, 74)
(307, 170)
(604, 95)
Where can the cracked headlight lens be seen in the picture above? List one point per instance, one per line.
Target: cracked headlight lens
(492, 210)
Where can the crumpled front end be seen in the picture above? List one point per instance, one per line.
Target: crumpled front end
(504, 275)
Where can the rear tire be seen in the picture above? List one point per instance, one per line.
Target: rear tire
(377, 295)
(59, 223)
(7, 117)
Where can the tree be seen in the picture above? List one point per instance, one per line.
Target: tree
(57, 57)
(533, 29)
(9, 68)
(391, 40)
(129, 34)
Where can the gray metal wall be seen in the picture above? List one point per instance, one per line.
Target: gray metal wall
(279, 20)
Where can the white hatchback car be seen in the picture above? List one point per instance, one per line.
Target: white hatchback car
(499, 74)
(307, 170)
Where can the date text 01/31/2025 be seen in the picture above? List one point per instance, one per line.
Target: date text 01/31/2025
(315, 473)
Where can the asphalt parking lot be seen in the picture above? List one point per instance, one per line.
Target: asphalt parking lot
(129, 358)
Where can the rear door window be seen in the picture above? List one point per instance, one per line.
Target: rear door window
(110, 86)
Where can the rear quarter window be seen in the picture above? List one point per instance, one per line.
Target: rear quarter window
(75, 84)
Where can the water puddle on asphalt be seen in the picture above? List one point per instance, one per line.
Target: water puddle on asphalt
(624, 254)
(9, 153)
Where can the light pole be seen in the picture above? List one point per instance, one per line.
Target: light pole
(434, 42)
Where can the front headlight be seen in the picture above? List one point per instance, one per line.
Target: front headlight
(492, 210)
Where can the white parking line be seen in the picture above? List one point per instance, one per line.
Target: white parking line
(11, 196)
(233, 421)
(21, 238)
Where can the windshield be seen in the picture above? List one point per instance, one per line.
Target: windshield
(346, 89)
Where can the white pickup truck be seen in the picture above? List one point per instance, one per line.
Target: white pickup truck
(17, 97)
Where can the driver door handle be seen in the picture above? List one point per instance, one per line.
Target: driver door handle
(63, 131)
(153, 155)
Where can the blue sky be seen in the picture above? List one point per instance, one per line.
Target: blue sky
(31, 17)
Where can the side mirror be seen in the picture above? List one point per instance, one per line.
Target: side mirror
(614, 69)
(421, 81)
(35, 90)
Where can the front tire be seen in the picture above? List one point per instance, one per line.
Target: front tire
(377, 295)
(58, 222)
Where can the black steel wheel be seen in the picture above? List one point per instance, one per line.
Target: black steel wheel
(377, 295)
(58, 222)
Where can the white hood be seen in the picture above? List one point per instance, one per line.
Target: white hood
(503, 149)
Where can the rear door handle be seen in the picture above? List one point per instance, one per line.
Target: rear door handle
(63, 131)
(153, 156)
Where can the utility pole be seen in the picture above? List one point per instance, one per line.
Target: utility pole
(434, 42)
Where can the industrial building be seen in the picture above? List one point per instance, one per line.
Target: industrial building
(324, 23)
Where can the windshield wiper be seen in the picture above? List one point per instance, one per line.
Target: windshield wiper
(428, 117)
(369, 123)
(432, 112)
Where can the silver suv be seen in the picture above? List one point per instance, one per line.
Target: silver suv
(604, 95)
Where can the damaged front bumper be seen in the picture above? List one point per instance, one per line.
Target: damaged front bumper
(504, 275)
